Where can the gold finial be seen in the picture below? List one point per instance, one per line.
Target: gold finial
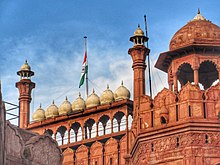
(198, 11)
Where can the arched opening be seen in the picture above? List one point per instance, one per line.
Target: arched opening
(177, 142)
(206, 139)
(208, 74)
(185, 74)
(90, 128)
(130, 119)
(123, 123)
(49, 132)
(119, 121)
(104, 124)
(62, 135)
(163, 120)
(75, 132)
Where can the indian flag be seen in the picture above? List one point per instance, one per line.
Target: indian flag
(84, 70)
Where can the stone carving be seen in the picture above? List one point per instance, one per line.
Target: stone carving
(163, 148)
(190, 92)
(213, 93)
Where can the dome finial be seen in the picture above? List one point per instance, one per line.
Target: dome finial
(122, 83)
(138, 25)
(198, 16)
(79, 94)
(107, 86)
(66, 98)
(53, 102)
(93, 90)
(40, 105)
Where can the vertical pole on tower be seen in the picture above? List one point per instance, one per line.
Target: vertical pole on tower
(149, 71)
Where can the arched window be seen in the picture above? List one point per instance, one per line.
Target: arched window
(208, 74)
(49, 132)
(185, 73)
(104, 125)
(75, 132)
(163, 120)
(90, 128)
(62, 135)
(119, 120)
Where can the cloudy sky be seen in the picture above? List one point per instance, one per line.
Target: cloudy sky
(49, 34)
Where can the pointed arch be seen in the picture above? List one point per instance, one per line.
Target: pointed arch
(185, 73)
(208, 73)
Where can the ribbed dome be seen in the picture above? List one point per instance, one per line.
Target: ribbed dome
(197, 31)
(25, 67)
(93, 100)
(139, 32)
(79, 104)
(52, 111)
(38, 115)
(107, 96)
(122, 93)
(65, 107)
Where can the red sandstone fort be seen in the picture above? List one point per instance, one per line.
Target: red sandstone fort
(179, 126)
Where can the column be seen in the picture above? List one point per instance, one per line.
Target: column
(76, 134)
(119, 122)
(196, 76)
(175, 83)
(83, 133)
(104, 126)
(69, 135)
(112, 125)
(97, 129)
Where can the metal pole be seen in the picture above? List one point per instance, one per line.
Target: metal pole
(87, 80)
(149, 71)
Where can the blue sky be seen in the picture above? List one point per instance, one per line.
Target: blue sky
(49, 34)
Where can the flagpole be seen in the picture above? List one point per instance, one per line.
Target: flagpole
(87, 80)
(149, 71)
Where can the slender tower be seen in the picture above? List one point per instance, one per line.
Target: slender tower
(25, 86)
(138, 53)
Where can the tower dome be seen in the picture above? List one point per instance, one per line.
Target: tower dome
(25, 71)
(93, 100)
(198, 31)
(38, 115)
(138, 32)
(65, 107)
(25, 67)
(138, 38)
(79, 104)
(52, 111)
(107, 96)
(122, 93)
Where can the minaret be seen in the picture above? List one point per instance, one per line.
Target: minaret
(25, 86)
(138, 54)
